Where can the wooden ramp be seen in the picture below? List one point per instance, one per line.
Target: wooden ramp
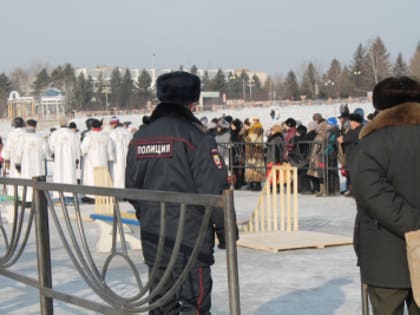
(278, 241)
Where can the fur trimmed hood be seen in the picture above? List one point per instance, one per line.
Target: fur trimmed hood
(403, 114)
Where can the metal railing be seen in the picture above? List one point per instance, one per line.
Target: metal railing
(71, 229)
(245, 155)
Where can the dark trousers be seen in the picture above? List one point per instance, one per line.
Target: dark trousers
(192, 298)
(391, 301)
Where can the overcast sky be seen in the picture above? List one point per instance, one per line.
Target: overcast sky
(265, 35)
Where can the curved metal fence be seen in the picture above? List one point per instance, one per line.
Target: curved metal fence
(67, 217)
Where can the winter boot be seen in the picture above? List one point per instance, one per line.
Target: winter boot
(322, 192)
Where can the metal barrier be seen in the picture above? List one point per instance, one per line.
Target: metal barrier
(73, 238)
(235, 156)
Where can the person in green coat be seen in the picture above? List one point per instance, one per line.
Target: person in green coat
(385, 175)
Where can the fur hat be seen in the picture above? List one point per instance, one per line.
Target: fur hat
(223, 123)
(317, 117)
(290, 122)
(178, 87)
(237, 123)
(276, 128)
(356, 117)
(394, 91)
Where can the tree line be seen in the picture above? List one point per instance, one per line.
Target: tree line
(370, 64)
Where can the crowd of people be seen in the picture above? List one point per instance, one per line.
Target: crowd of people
(174, 151)
(321, 149)
(73, 155)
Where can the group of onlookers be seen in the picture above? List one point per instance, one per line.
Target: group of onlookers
(320, 150)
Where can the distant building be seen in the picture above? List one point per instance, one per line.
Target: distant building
(52, 105)
(20, 106)
(106, 71)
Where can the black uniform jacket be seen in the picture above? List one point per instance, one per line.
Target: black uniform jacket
(172, 153)
(386, 184)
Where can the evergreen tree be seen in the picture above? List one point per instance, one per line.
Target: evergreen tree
(143, 90)
(40, 84)
(377, 63)
(218, 83)
(291, 86)
(400, 67)
(83, 93)
(80, 92)
(126, 89)
(100, 90)
(233, 87)
(256, 90)
(57, 78)
(309, 86)
(357, 72)
(5, 89)
(244, 78)
(332, 84)
(89, 92)
(415, 64)
(194, 70)
(205, 82)
(69, 79)
(115, 84)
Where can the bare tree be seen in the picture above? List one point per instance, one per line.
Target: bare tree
(20, 80)
(414, 68)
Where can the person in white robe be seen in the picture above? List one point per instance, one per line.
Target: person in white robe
(120, 137)
(9, 151)
(97, 151)
(31, 153)
(64, 149)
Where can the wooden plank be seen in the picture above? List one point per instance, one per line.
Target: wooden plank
(279, 241)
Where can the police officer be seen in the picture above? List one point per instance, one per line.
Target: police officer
(172, 152)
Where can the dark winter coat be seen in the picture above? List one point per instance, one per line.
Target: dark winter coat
(188, 163)
(386, 182)
(275, 148)
(350, 142)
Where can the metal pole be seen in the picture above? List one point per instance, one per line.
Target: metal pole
(365, 299)
(43, 251)
(231, 253)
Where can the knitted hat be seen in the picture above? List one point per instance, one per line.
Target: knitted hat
(178, 87)
(394, 91)
(332, 121)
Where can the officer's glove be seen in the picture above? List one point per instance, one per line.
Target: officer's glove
(18, 167)
(221, 245)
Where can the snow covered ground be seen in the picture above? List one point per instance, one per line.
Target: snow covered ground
(307, 281)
